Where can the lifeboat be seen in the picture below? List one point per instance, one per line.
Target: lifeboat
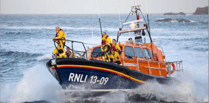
(140, 62)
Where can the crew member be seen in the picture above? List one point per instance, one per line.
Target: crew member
(60, 39)
(69, 53)
(115, 52)
(105, 47)
(130, 41)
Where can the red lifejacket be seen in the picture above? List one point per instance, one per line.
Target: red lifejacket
(104, 42)
(113, 48)
(68, 53)
(57, 34)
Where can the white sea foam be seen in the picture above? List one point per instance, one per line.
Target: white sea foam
(45, 57)
(192, 21)
(174, 21)
(160, 18)
(180, 92)
(116, 97)
(37, 84)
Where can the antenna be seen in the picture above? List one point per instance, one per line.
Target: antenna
(119, 16)
(99, 18)
(98, 9)
(146, 6)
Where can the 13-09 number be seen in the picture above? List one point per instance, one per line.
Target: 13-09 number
(103, 80)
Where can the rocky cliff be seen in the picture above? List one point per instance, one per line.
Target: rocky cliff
(201, 11)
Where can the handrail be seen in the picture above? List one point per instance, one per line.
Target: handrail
(72, 41)
(75, 41)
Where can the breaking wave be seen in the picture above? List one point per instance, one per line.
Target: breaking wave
(151, 91)
(45, 57)
(38, 84)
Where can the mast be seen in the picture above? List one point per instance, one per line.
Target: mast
(136, 28)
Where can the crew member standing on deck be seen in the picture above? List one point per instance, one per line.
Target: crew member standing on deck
(115, 52)
(60, 39)
(105, 47)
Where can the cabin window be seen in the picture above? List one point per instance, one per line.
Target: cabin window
(139, 52)
(97, 52)
(147, 53)
(129, 52)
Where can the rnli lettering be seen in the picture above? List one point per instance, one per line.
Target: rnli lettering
(77, 77)
(74, 77)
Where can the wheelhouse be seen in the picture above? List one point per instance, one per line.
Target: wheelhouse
(137, 57)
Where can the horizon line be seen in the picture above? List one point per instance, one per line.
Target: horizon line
(77, 13)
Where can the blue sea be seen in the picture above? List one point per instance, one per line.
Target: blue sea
(26, 46)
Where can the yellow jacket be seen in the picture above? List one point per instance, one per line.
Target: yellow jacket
(116, 47)
(106, 39)
(60, 35)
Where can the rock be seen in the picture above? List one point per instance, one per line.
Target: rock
(173, 20)
(181, 13)
(201, 11)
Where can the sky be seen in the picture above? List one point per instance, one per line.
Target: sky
(104, 6)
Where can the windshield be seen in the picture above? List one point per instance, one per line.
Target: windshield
(97, 52)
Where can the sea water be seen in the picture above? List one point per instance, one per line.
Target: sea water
(26, 46)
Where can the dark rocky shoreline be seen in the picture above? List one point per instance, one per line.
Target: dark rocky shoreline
(181, 13)
(201, 11)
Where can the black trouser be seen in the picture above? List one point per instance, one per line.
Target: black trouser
(118, 62)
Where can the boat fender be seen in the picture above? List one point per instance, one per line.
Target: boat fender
(174, 68)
